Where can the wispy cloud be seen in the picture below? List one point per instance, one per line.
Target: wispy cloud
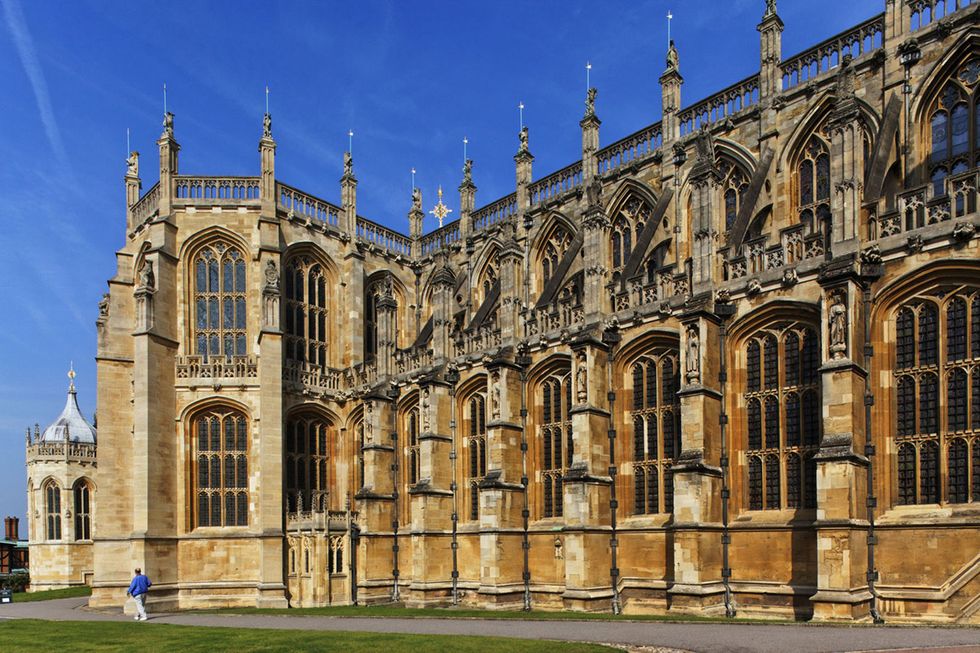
(14, 17)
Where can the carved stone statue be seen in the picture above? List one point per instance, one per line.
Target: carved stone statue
(104, 305)
(147, 278)
(582, 379)
(495, 395)
(368, 423)
(133, 164)
(770, 8)
(593, 192)
(424, 409)
(523, 137)
(168, 124)
(673, 59)
(837, 325)
(348, 164)
(271, 275)
(468, 170)
(590, 101)
(693, 359)
(416, 199)
(267, 126)
(705, 147)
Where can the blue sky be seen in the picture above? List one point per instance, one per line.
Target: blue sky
(410, 78)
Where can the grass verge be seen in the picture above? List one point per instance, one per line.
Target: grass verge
(27, 635)
(47, 595)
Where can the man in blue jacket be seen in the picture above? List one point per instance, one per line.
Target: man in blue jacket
(137, 590)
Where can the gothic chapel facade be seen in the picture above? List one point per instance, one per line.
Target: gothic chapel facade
(758, 392)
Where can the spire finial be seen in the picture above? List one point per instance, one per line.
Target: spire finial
(440, 211)
(267, 118)
(670, 17)
(71, 376)
(770, 8)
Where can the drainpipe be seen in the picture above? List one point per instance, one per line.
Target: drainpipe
(724, 311)
(524, 362)
(869, 452)
(452, 377)
(393, 396)
(612, 338)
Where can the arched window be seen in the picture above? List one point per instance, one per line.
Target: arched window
(952, 149)
(782, 417)
(52, 511)
(937, 397)
(306, 302)
(308, 441)
(813, 179)
(734, 184)
(413, 460)
(380, 288)
(627, 225)
(221, 467)
(475, 420)
(555, 246)
(655, 417)
(557, 447)
(83, 510)
(219, 301)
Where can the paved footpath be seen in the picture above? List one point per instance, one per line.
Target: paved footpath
(700, 637)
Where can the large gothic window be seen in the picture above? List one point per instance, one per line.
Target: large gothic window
(306, 312)
(476, 451)
(555, 439)
(376, 291)
(219, 302)
(734, 184)
(52, 511)
(954, 130)
(307, 463)
(82, 495)
(782, 417)
(813, 180)
(937, 394)
(656, 434)
(221, 468)
(627, 226)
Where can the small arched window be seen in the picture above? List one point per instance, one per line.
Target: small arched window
(219, 302)
(82, 495)
(627, 225)
(554, 249)
(734, 184)
(813, 175)
(52, 511)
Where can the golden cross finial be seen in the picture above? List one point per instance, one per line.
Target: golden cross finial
(440, 210)
(71, 376)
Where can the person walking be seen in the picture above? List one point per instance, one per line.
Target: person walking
(137, 590)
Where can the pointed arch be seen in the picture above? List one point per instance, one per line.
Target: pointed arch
(946, 68)
(214, 232)
(624, 190)
(813, 119)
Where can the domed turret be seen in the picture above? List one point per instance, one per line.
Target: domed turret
(70, 424)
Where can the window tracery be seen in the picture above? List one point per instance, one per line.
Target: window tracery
(734, 184)
(626, 228)
(655, 417)
(954, 130)
(782, 402)
(81, 493)
(813, 179)
(219, 301)
(476, 445)
(220, 469)
(52, 511)
(413, 460)
(307, 463)
(554, 249)
(557, 447)
(306, 312)
(937, 393)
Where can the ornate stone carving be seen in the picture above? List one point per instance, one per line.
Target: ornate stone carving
(673, 59)
(964, 231)
(271, 275)
(837, 324)
(168, 125)
(593, 192)
(913, 244)
(790, 277)
(754, 287)
(424, 409)
(692, 361)
(104, 305)
(416, 200)
(133, 164)
(590, 102)
(871, 255)
(495, 395)
(368, 422)
(147, 278)
(582, 378)
(349, 172)
(524, 138)
(270, 296)
(267, 125)
(770, 8)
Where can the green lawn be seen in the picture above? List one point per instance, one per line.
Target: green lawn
(47, 595)
(35, 635)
